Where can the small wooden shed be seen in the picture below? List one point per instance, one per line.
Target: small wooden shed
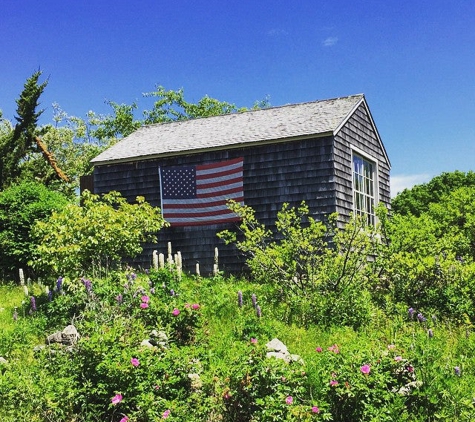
(327, 152)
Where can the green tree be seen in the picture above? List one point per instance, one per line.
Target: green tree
(16, 144)
(21, 206)
(417, 199)
(70, 142)
(75, 141)
(429, 260)
(95, 236)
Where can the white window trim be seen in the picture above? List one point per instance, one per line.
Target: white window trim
(368, 157)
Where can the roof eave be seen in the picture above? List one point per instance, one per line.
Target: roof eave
(148, 157)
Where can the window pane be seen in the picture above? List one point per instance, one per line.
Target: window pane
(363, 185)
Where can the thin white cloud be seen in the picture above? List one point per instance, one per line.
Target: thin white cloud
(407, 181)
(276, 32)
(330, 41)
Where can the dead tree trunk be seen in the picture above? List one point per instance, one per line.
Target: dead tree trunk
(51, 160)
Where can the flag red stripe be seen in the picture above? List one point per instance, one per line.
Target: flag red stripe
(203, 223)
(208, 204)
(223, 211)
(217, 165)
(203, 176)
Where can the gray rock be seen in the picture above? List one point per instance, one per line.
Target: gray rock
(146, 343)
(54, 338)
(68, 337)
(279, 350)
(277, 346)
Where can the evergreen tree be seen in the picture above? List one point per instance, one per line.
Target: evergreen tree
(15, 146)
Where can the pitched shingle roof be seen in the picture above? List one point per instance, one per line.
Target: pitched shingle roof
(233, 130)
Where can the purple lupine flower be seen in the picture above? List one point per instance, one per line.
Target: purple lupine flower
(240, 298)
(411, 312)
(59, 284)
(258, 311)
(421, 317)
(430, 333)
(131, 277)
(457, 370)
(50, 296)
(172, 292)
(254, 300)
(119, 298)
(33, 303)
(152, 290)
(87, 284)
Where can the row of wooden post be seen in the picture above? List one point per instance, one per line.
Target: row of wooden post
(158, 261)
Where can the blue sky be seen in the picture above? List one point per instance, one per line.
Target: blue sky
(414, 60)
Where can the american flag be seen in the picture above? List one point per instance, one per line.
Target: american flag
(198, 194)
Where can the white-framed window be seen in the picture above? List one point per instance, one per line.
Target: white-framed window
(364, 187)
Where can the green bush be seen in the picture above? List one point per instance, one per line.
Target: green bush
(21, 206)
(320, 283)
(95, 236)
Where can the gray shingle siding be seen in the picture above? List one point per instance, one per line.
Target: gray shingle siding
(273, 174)
(358, 132)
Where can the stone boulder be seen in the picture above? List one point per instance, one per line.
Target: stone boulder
(68, 337)
(279, 350)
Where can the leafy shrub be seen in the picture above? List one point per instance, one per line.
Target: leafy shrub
(21, 206)
(428, 261)
(259, 388)
(96, 235)
(319, 283)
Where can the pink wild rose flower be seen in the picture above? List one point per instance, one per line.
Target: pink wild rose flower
(166, 414)
(315, 409)
(289, 399)
(176, 312)
(365, 369)
(135, 362)
(144, 305)
(116, 399)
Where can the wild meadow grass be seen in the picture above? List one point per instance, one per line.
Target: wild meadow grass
(11, 297)
(213, 367)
